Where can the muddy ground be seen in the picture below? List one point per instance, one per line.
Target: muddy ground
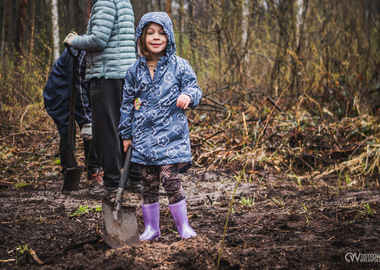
(274, 223)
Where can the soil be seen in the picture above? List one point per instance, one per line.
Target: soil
(273, 223)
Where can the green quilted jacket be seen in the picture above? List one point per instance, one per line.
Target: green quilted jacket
(109, 41)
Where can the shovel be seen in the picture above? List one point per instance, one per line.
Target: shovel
(119, 222)
(72, 175)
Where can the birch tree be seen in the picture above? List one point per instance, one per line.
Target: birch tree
(244, 26)
(55, 28)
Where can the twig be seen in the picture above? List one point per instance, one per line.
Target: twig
(25, 132)
(211, 110)
(214, 101)
(307, 164)
(360, 144)
(228, 216)
(7, 261)
(32, 255)
(215, 91)
(6, 182)
(275, 104)
(209, 137)
(22, 117)
(23, 95)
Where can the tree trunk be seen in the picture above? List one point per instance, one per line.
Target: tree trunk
(55, 28)
(180, 41)
(192, 32)
(21, 21)
(281, 13)
(140, 7)
(244, 26)
(89, 7)
(33, 25)
(159, 5)
(2, 41)
(301, 36)
(169, 8)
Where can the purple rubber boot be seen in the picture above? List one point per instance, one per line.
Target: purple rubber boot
(179, 213)
(151, 215)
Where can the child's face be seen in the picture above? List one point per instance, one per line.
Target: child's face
(156, 40)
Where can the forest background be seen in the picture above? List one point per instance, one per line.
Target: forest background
(290, 86)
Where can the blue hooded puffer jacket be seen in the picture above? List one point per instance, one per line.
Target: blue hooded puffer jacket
(149, 114)
(57, 92)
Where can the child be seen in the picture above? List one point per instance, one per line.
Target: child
(158, 88)
(56, 96)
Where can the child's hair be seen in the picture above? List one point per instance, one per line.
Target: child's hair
(142, 43)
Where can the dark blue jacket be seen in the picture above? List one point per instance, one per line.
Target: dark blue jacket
(57, 92)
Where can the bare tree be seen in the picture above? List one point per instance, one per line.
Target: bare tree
(192, 31)
(55, 28)
(244, 26)
(299, 39)
(140, 7)
(21, 21)
(3, 9)
(180, 22)
(169, 8)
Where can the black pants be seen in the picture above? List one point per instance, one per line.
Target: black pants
(106, 97)
(91, 159)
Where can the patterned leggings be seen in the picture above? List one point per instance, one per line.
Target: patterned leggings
(168, 176)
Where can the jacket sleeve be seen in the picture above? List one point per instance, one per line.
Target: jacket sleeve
(99, 30)
(56, 92)
(82, 103)
(127, 108)
(189, 84)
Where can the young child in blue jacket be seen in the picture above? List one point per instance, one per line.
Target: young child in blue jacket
(158, 88)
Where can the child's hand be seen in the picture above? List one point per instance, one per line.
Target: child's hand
(127, 144)
(183, 101)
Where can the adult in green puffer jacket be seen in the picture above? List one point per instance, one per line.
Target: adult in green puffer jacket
(109, 43)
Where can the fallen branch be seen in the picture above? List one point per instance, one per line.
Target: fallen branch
(204, 140)
(25, 133)
(215, 91)
(7, 261)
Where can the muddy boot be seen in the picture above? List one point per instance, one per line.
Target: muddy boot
(179, 213)
(151, 215)
(134, 183)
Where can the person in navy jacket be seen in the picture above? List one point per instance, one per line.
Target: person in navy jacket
(57, 94)
(158, 88)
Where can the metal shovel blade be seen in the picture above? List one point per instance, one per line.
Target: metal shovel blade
(72, 178)
(122, 230)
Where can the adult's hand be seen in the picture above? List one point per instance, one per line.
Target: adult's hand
(86, 132)
(69, 38)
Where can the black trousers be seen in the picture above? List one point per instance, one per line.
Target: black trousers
(91, 159)
(106, 97)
